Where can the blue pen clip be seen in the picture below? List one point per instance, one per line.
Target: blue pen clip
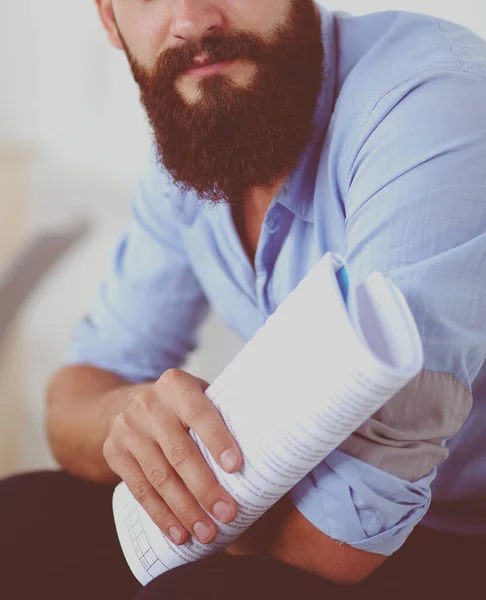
(342, 276)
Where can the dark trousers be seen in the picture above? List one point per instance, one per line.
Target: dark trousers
(58, 541)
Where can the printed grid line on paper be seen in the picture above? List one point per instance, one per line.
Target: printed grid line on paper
(141, 545)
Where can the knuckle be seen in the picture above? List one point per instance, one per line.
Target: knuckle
(144, 402)
(159, 477)
(121, 425)
(195, 412)
(159, 517)
(140, 492)
(118, 423)
(109, 449)
(146, 462)
(186, 513)
(172, 376)
(178, 454)
(204, 495)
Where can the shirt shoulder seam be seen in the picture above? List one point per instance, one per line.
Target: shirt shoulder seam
(436, 68)
(461, 65)
(366, 113)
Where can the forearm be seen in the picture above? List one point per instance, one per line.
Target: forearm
(284, 533)
(82, 405)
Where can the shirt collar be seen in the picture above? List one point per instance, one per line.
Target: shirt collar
(297, 191)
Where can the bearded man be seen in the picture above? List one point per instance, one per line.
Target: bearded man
(281, 131)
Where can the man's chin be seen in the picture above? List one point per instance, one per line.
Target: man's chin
(189, 92)
(206, 93)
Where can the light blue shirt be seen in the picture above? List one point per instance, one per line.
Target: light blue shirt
(394, 180)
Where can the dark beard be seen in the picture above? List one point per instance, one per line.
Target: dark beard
(233, 139)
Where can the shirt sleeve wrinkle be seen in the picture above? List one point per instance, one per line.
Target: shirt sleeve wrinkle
(416, 211)
(360, 505)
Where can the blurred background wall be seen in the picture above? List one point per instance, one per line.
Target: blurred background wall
(72, 141)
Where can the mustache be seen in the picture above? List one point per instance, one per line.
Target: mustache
(242, 45)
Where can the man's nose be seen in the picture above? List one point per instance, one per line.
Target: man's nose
(194, 19)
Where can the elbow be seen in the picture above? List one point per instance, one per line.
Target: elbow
(64, 443)
(58, 437)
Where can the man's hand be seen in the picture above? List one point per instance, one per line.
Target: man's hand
(150, 449)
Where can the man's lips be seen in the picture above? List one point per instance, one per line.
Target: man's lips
(207, 67)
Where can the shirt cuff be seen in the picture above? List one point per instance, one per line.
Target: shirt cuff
(360, 505)
(102, 341)
(87, 348)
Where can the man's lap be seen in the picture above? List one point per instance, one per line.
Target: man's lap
(57, 540)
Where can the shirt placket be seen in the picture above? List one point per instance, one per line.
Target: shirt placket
(266, 254)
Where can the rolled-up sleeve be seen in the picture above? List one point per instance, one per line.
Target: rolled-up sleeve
(415, 198)
(146, 313)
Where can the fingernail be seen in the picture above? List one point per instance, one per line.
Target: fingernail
(228, 459)
(202, 530)
(176, 534)
(222, 511)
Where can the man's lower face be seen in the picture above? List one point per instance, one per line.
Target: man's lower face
(224, 129)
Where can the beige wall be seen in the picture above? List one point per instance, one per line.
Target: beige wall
(12, 197)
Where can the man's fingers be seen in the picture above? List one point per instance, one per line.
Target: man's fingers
(167, 483)
(144, 493)
(163, 424)
(199, 413)
(186, 459)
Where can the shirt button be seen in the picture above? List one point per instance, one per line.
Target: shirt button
(272, 219)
